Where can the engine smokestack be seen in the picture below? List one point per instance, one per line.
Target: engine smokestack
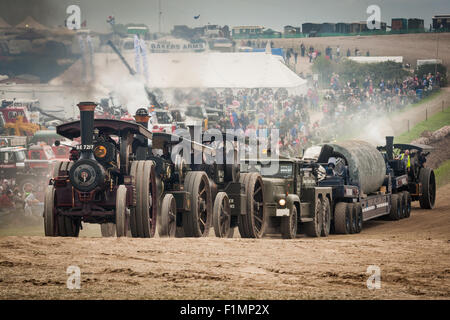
(87, 128)
(390, 147)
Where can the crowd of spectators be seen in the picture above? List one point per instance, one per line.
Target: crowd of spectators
(344, 105)
(258, 111)
(349, 101)
(12, 201)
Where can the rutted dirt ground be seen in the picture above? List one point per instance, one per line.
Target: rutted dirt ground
(413, 255)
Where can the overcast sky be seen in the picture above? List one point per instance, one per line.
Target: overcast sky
(268, 13)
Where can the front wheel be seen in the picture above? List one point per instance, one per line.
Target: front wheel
(222, 216)
(49, 212)
(289, 224)
(121, 212)
(168, 222)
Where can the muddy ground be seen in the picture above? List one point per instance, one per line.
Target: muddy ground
(412, 254)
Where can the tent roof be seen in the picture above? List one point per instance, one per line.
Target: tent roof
(31, 23)
(194, 70)
(220, 70)
(4, 24)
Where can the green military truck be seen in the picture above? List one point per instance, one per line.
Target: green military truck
(294, 202)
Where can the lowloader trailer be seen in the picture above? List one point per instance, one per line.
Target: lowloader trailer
(347, 184)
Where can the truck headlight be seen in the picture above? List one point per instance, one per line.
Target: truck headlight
(282, 202)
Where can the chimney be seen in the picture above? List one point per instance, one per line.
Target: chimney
(390, 147)
(86, 128)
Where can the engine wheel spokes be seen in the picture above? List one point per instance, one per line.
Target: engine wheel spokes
(168, 222)
(222, 216)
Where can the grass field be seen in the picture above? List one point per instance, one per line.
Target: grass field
(443, 173)
(433, 123)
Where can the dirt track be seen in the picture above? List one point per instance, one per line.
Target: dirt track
(413, 255)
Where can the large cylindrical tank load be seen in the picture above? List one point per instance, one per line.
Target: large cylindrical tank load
(365, 163)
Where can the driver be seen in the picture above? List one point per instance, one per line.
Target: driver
(331, 166)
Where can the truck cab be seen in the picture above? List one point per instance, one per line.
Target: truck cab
(294, 201)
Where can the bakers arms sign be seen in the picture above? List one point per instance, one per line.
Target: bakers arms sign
(175, 47)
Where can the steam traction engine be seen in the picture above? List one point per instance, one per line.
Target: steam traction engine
(101, 183)
(205, 192)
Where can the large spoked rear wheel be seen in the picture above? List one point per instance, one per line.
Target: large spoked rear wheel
(122, 222)
(197, 222)
(168, 219)
(143, 222)
(253, 224)
(50, 227)
(222, 216)
(428, 180)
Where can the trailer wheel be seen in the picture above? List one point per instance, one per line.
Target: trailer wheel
(108, 229)
(222, 216)
(289, 224)
(428, 180)
(168, 219)
(49, 212)
(133, 225)
(396, 209)
(314, 228)
(197, 222)
(353, 218)
(326, 217)
(404, 200)
(408, 204)
(253, 224)
(146, 201)
(342, 219)
(359, 217)
(122, 222)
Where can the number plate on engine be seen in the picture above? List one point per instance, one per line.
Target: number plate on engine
(282, 212)
(84, 147)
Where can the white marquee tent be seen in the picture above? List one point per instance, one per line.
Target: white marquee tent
(197, 70)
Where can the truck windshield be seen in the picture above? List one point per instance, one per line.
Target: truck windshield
(285, 169)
